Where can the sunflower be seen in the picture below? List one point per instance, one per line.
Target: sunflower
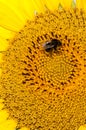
(42, 68)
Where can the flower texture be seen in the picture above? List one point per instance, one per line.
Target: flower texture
(43, 75)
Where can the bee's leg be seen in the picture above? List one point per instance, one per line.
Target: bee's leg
(51, 52)
(57, 51)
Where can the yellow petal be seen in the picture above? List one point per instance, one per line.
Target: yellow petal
(24, 128)
(14, 14)
(51, 4)
(39, 5)
(1, 100)
(83, 127)
(1, 106)
(3, 44)
(4, 33)
(66, 3)
(3, 116)
(9, 19)
(15, 6)
(8, 125)
(81, 4)
(30, 7)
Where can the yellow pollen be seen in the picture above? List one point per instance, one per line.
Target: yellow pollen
(46, 90)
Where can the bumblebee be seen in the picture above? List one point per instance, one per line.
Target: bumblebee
(52, 44)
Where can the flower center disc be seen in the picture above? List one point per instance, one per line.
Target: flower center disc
(41, 89)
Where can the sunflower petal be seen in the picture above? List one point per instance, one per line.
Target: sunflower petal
(3, 44)
(9, 19)
(29, 7)
(3, 116)
(4, 33)
(13, 14)
(1, 104)
(8, 125)
(66, 3)
(73, 4)
(83, 127)
(15, 6)
(51, 4)
(24, 128)
(39, 5)
(81, 4)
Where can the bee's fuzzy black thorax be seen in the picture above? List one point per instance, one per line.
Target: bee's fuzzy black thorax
(52, 44)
